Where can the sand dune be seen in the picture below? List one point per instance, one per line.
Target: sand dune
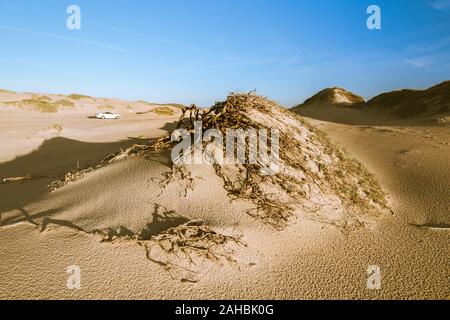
(432, 102)
(333, 96)
(140, 227)
(403, 107)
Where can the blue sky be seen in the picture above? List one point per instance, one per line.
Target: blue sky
(196, 51)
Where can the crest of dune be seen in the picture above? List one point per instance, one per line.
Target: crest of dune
(407, 103)
(333, 97)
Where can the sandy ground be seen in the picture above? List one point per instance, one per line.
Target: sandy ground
(306, 260)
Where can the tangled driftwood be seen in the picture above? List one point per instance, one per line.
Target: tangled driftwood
(178, 250)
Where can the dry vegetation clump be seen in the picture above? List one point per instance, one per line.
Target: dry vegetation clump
(69, 177)
(247, 183)
(180, 246)
(316, 177)
(180, 249)
(3, 91)
(123, 154)
(244, 181)
(174, 105)
(179, 175)
(228, 114)
(44, 98)
(57, 127)
(80, 173)
(340, 184)
(445, 120)
(16, 179)
(163, 111)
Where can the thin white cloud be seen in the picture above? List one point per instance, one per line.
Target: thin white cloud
(441, 5)
(120, 30)
(144, 36)
(437, 61)
(429, 55)
(54, 36)
(420, 62)
(422, 48)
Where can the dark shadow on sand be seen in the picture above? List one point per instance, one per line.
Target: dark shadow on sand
(53, 159)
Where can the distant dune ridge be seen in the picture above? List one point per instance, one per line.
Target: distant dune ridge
(54, 103)
(406, 103)
(411, 103)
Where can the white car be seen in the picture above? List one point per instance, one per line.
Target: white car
(107, 115)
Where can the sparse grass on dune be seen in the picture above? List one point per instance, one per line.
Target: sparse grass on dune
(42, 104)
(175, 105)
(64, 103)
(316, 175)
(3, 91)
(57, 127)
(44, 98)
(347, 168)
(163, 111)
(76, 96)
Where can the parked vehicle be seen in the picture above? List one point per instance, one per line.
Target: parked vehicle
(107, 115)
